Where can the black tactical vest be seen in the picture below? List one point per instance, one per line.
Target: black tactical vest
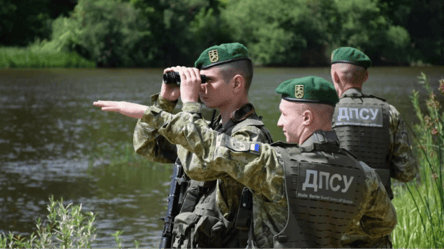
(323, 186)
(212, 228)
(362, 125)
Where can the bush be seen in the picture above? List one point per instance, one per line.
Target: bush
(109, 32)
(66, 227)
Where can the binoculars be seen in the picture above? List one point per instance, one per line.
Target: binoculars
(174, 78)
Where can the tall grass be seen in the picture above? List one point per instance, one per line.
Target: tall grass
(420, 205)
(40, 55)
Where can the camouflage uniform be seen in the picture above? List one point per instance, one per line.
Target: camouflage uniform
(152, 145)
(261, 170)
(398, 157)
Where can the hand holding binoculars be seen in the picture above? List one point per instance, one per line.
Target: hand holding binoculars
(174, 78)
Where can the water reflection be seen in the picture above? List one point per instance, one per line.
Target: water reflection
(54, 142)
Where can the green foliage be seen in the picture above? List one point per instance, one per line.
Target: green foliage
(420, 207)
(22, 21)
(109, 32)
(66, 227)
(283, 32)
(300, 32)
(136, 33)
(37, 56)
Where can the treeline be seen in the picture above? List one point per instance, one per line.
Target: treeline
(159, 33)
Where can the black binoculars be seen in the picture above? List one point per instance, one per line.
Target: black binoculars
(174, 78)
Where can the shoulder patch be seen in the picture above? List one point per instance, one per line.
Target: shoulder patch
(233, 144)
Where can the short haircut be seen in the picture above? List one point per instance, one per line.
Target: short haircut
(350, 73)
(324, 111)
(241, 67)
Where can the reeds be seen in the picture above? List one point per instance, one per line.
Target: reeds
(420, 204)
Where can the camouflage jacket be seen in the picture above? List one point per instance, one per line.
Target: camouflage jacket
(260, 168)
(149, 143)
(403, 166)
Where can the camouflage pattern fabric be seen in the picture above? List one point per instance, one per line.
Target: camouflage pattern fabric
(403, 165)
(260, 168)
(149, 143)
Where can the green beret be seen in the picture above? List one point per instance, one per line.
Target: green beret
(221, 54)
(310, 89)
(350, 55)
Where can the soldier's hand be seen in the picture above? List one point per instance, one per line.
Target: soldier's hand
(131, 110)
(190, 84)
(170, 92)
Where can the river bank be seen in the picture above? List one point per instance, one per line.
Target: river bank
(37, 57)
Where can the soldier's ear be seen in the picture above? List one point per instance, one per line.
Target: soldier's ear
(335, 77)
(239, 83)
(366, 76)
(307, 117)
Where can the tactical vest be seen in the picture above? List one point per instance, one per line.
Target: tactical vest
(200, 223)
(362, 125)
(322, 185)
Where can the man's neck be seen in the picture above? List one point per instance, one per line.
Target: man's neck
(347, 87)
(307, 134)
(226, 112)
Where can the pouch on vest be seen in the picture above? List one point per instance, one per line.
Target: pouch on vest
(192, 230)
(183, 230)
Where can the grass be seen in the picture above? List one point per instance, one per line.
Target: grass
(41, 56)
(420, 205)
(65, 227)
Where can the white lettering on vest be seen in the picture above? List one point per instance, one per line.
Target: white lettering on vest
(326, 176)
(335, 189)
(324, 179)
(347, 183)
(361, 114)
(355, 110)
(343, 113)
(307, 183)
(374, 113)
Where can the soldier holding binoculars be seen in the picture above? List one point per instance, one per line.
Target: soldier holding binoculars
(209, 212)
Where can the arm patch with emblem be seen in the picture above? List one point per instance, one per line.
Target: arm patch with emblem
(237, 145)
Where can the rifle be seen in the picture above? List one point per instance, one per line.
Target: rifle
(176, 193)
(178, 187)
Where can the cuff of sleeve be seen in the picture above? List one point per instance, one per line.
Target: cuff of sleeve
(162, 103)
(192, 107)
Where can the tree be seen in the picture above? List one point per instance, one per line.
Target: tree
(109, 32)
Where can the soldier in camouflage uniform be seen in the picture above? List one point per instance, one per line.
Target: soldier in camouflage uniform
(208, 214)
(366, 125)
(307, 191)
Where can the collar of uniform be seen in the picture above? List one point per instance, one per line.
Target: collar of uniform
(239, 115)
(242, 113)
(193, 107)
(318, 138)
(352, 92)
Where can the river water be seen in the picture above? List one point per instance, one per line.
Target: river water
(53, 141)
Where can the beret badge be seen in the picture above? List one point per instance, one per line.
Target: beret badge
(213, 55)
(299, 91)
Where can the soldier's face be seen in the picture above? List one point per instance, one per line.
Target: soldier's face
(290, 121)
(216, 93)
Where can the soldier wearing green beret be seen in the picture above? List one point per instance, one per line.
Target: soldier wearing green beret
(307, 191)
(208, 215)
(367, 125)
